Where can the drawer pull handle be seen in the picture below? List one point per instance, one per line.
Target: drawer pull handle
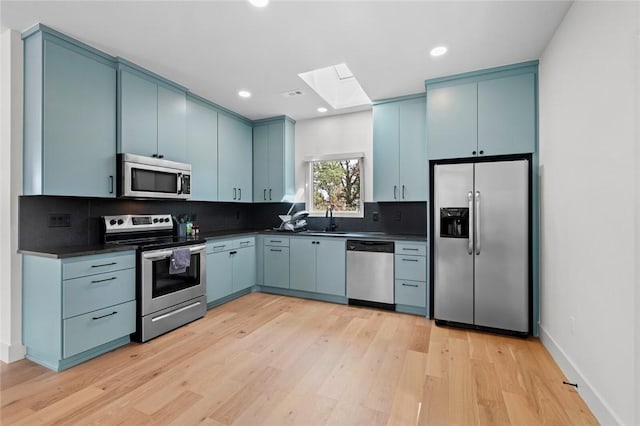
(275, 241)
(217, 247)
(101, 281)
(244, 242)
(409, 249)
(409, 260)
(104, 264)
(409, 285)
(233, 252)
(104, 316)
(276, 250)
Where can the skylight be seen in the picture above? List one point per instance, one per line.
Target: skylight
(337, 86)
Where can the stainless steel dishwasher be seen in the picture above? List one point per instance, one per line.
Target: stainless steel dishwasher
(370, 273)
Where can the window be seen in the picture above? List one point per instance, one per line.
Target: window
(335, 182)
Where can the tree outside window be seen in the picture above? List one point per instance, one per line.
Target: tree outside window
(337, 185)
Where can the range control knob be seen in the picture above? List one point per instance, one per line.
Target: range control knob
(120, 221)
(112, 222)
(166, 219)
(155, 220)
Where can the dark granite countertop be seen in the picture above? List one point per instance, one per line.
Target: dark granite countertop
(61, 252)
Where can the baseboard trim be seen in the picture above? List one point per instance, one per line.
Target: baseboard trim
(591, 397)
(11, 353)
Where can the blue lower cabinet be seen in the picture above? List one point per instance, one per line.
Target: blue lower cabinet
(331, 263)
(411, 277)
(69, 320)
(411, 293)
(276, 264)
(303, 264)
(231, 267)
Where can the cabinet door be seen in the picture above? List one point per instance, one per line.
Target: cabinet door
(385, 152)
(219, 275)
(79, 124)
(172, 115)
(276, 266)
(303, 264)
(452, 121)
(138, 115)
(331, 267)
(413, 150)
(244, 268)
(276, 189)
(506, 115)
(234, 160)
(202, 150)
(260, 164)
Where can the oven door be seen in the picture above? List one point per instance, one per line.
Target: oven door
(161, 289)
(150, 181)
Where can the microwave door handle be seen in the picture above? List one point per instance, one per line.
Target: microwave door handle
(180, 183)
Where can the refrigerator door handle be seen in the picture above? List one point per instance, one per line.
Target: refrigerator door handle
(470, 200)
(477, 222)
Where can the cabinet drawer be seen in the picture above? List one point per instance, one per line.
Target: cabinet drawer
(218, 246)
(282, 242)
(244, 242)
(86, 294)
(415, 249)
(412, 293)
(411, 267)
(98, 264)
(98, 327)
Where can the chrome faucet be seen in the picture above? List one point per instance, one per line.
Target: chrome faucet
(332, 223)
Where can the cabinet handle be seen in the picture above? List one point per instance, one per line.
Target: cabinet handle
(235, 194)
(222, 246)
(409, 249)
(104, 316)
(111, 181)
(395, 192)
(474, 153)
(160, 156)
(275, 241)
(104, 264)
(403, 192)
(409, 285)
(264, 194)
(233, 252)
(276, 249)
(155, 155)
(239, 193)
(244, 243)
(101, 281)
(481, 152)
(409, 260)
(269, 194)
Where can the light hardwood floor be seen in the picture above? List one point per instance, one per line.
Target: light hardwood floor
(265, 359)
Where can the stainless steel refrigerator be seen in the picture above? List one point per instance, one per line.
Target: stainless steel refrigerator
(481, 244)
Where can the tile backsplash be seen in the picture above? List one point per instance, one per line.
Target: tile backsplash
(84, 213)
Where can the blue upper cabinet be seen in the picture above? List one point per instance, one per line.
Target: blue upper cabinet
(507, 115)
(452, 121)
(202, 149)
(399, 150)
(69, 118)
(235, 162)
(152, 115)
(273, 160)
(490, 112)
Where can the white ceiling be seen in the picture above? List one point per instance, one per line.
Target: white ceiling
(216, 48)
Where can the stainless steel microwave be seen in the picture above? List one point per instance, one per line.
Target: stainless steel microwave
(146, 177)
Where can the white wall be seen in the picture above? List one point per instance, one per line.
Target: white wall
(589, 207)
(337, 134)
(11, 348)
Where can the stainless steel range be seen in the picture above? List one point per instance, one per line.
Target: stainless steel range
(171, 272)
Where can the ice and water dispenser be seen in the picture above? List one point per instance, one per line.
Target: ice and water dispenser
(454, 222)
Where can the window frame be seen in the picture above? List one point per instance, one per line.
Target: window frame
(309, 183)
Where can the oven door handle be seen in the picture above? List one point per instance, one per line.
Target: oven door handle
(159, 255)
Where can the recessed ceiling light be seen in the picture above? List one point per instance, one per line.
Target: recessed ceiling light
(244, 94)
(259, 3)
(438, 51)
(322, 109)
